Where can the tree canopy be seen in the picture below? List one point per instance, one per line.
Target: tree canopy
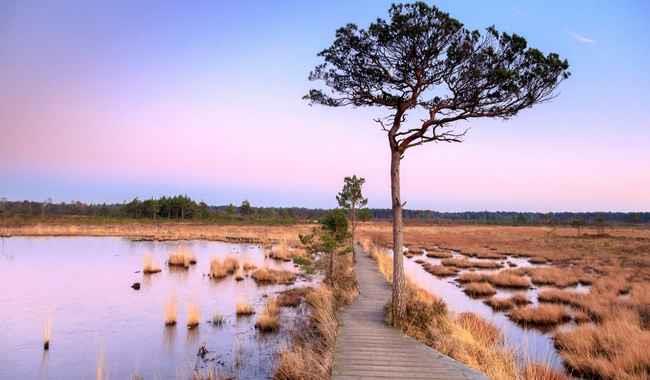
(422, 58)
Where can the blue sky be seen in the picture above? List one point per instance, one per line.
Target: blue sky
(108, 102)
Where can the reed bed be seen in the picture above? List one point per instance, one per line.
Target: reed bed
(615, 349)
(243, 309)
(464, 263)
(266, 276)
(507, 279)
(439, 254)
(181, 257)
(149, 266)
(544, 315)
(440, 270)
(269, 318)
(222, 268)
(193, 315)
(292, 297)
(171, 312)
(479, 289)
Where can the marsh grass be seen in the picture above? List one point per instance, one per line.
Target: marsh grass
(243, 309)
(292, 297)
(467, 338)
(439, 270)
(171, 312)
(269, 319)
(507, 279)
(615, 349)
(479, 289)
(47, 333)
(217, 320)
(464, 263)
(149, 266)
(222, 268)
(310, 356)
(543, 315)
(265, 276)
(193, 315)
(181, 257)
(439, 254)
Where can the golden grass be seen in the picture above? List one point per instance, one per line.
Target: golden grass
(193, 315)
(239, 274)
(439, 254)
(292, 297)
(439, 270)
(479, 289)
(542, 315)
(284, 252)
(499, 304)
(149, 266)
(507, 279)
(47, 333)
(169, 231)
(553, 276)
(465, 263)
(535, 371)
(249, 266)
(466, 277)
(615, 349)
(273, 276)
(269, 319)
(559, 296)
(311, 354)
(221, 268)
(171, 312)
(467, 338)
(244, 309)
(181, 257)
(384, 261)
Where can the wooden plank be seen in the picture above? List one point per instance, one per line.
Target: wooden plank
(367, 348)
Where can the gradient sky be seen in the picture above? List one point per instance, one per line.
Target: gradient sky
(103, 103)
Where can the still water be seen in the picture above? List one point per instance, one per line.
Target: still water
(530, 344)
(99, 324)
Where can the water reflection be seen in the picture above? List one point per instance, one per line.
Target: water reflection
(84, 283)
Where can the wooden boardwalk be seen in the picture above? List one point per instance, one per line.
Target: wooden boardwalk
(367, 348)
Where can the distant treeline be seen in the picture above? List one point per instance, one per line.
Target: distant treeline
(183, 208)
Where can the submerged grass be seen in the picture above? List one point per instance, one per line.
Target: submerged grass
(193, 315)
(149, 266)
(171, 312)
(269, 319)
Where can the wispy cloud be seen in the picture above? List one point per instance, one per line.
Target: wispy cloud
(582, 39)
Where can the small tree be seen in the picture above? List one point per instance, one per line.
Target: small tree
(335, 230)
(351, 199)
(245, 209)
(423, 59)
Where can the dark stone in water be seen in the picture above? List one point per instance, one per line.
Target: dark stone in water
(136, 286)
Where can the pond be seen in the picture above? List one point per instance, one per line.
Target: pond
(81, 286)
(530, 344)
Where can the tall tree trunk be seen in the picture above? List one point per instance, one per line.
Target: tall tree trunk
(399, 307)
